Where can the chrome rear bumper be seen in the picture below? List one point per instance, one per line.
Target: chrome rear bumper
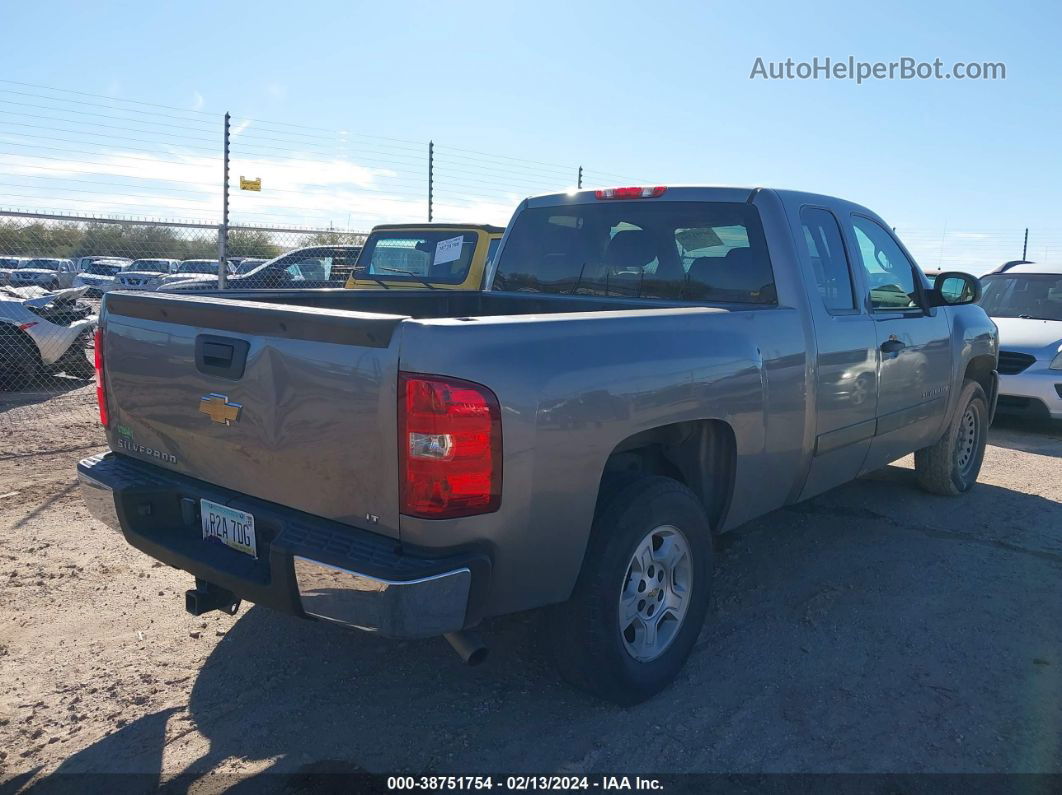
(367, 584)
(402, 608)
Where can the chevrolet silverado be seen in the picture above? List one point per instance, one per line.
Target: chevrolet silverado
(647, 368)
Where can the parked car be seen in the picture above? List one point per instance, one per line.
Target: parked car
(302, 268)
(247, 264)
(145, 274)
(1006, 266)
(426, 256)
(44, 334)
(647, 367)
(1025, 301)
(8, 264)
(193, 270)
(84, 263)
(51, 274)
(99, 275)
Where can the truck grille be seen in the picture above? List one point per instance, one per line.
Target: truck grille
(1012, 363)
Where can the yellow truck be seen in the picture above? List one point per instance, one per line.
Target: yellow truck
(425, 256)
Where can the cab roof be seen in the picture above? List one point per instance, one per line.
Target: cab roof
(1030, 267)
(490, 229)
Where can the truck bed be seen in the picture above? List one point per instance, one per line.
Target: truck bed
(303, 385)
(423, 304)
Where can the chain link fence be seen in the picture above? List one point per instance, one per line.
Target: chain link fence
(54, 271)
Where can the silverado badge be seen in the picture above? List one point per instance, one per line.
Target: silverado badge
(218, 408)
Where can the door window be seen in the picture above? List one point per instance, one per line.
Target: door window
(822, 235)
(890, 275)
(311, 269)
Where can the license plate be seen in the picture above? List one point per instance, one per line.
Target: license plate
(231, 527)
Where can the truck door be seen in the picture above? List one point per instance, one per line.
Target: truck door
(914, 374)
(846, 362)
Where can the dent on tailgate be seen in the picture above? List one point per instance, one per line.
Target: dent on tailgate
(305, 400)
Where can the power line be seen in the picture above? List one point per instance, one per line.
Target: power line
(156, 160)
(93, 104)
(81, 171)
(343, 134)
(88, 162)
(569, 169)
(472, 177)
(443, 195)
(328, 130)
(213, 188)
(468, 177)
(246, 146)
(99, 115)
(144, 199)
(95, 135)
(77, 201)
(513, 168)
(100, 124)
(104, 96)
(338, 146)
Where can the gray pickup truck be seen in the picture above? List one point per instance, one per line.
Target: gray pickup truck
(650, 367)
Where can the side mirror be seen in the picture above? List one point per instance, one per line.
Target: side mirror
(953, 288)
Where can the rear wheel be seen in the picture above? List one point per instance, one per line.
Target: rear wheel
(951, 466)
(642, 594)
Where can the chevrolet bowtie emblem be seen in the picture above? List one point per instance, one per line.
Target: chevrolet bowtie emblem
(218, 408)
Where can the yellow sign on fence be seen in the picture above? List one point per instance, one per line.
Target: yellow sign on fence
(251, 184)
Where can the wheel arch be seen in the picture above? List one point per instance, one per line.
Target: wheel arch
(980, 369)
(700, 454)
(11, 335)
(10, 330)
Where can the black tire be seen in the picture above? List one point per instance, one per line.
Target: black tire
(585, 634)
(950, 467)
(19, 360)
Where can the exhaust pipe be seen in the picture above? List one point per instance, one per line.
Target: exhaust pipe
(469, 646)
(207, 596)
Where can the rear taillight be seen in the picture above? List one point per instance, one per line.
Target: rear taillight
(630, 193)
(449, 447)
(101, 391)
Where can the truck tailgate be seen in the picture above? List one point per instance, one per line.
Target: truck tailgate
(289, 404)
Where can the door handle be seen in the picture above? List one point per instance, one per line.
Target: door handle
(892, 346)
(224, 356)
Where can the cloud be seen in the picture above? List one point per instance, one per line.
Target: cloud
(197, 101)
(241, 125)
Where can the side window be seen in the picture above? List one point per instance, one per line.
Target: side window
(822, 234)
(313, 269)
(889, 273)
(492, 248)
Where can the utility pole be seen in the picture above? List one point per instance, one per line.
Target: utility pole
(1025, 245)
(580, 183)
(431, 169)
(223, 229)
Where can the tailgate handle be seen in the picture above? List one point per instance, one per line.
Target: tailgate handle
(223, 356)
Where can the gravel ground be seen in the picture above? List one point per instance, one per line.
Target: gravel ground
(874, 629)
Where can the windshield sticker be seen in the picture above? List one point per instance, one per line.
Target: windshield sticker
(448, 250)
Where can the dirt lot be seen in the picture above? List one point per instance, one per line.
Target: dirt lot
(874, 629)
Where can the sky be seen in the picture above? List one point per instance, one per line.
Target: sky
(333, 104)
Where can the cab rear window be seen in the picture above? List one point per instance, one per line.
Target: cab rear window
(692, 251)
(442, 256)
